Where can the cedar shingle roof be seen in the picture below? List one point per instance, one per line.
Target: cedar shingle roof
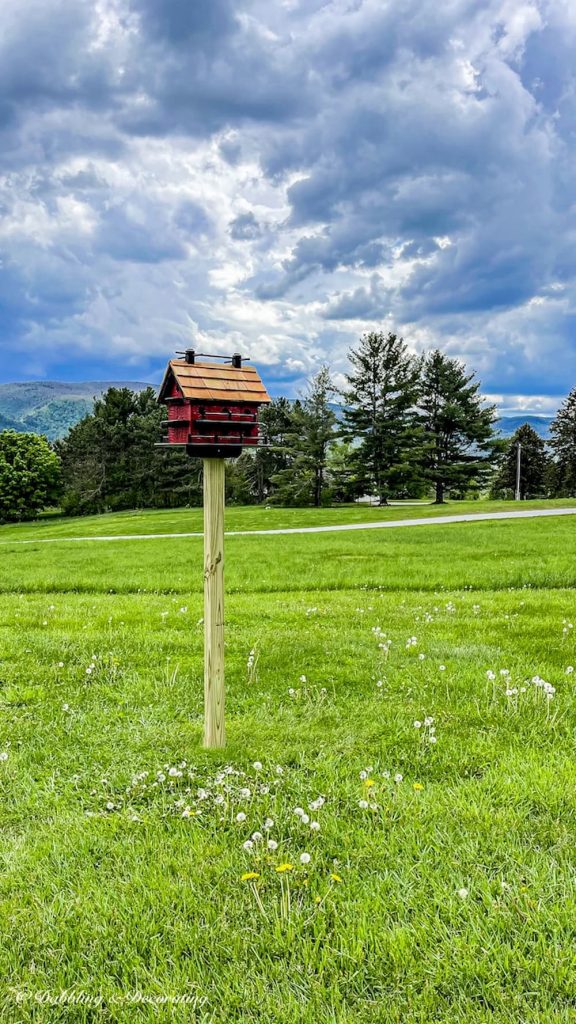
(214, 382)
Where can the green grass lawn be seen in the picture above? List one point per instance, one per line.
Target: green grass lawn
(252, 517)
(440, 881)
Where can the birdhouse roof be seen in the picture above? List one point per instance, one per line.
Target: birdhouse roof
(214, 382)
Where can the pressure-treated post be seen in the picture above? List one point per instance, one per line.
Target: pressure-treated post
(214, 728)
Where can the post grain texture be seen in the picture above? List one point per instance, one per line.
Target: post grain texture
(214, 727)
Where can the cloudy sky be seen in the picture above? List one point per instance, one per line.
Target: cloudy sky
(278, 176)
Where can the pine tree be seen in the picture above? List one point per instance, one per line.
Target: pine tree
(458, 426)
(109, 460)
(275, 423)
(533, 465)
(311, 433)
(563, 445)
(380, 413)
(341, 470)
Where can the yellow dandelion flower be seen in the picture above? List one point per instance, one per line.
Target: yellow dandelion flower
(335, 878)
(284, 867)
(317, 899)
(369, 783)
(418, 785)
(249, 876)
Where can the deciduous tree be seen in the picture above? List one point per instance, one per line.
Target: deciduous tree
(29, 475)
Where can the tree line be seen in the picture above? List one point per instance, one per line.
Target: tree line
(400, 426)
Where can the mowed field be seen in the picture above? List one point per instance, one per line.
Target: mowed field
(429, 873)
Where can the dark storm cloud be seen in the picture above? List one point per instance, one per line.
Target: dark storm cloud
(205, 64)
(180, 22)
(245, 227)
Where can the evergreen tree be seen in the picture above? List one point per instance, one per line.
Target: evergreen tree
(380, 413)
(275, 424)
(458, 426)
(533, 465)
(342, 472)
(109, 460)
(241, 479)
(29, 475)
(311, 432)
(563, 445)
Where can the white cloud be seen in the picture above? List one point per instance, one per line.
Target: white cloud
(279, 178)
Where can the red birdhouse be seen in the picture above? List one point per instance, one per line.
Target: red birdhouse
(212, 407)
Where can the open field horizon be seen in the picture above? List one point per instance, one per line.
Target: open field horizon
(440, 881)
(255, 517)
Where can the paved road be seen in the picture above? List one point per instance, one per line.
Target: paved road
(386, 524)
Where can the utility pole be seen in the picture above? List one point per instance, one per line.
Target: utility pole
(518, 467)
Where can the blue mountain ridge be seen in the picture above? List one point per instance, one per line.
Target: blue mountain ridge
(53, 407)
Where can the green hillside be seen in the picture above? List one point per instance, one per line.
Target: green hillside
(52, 407)
(8, 424)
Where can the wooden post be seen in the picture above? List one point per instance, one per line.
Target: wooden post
(214, 727)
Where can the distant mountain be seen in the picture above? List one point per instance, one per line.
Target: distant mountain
(52, 407)
(7, 424)
(508, 425)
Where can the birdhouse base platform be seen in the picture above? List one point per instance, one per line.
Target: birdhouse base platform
(210, 451)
